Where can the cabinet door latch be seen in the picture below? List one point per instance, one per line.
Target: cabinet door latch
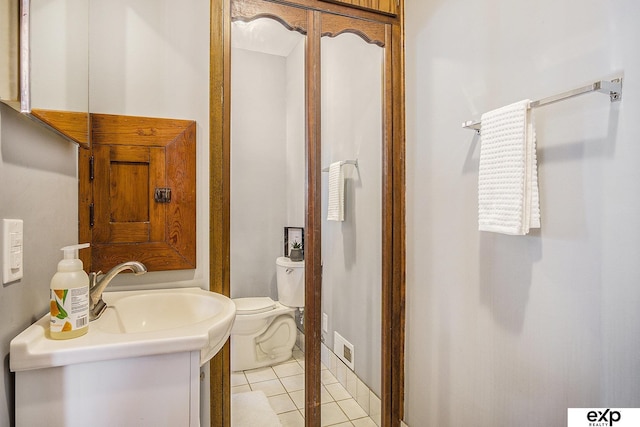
(162, 195)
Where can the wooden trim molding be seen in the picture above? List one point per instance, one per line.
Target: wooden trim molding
(388, 7)
(398, 294)
(293, 19)
(70, 124)
(219, 196)
(313, 225)
(387, 241)
(339, 9)
(370, 32)
(394, 306)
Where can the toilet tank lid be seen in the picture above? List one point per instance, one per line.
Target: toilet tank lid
(286, 262)
(253, 305)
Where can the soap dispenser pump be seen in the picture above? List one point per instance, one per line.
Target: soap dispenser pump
(70, 296)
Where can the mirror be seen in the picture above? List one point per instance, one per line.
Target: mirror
(352, 129)
(53, 63)
(9, 52)
(267, 195)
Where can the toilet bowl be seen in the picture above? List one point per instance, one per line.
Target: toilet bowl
(264, 331)
(263, 334)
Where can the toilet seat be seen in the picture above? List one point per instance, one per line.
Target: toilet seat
(254, 305)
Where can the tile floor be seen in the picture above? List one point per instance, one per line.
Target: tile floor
(284, 386)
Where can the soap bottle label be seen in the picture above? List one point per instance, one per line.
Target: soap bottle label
(69, 309)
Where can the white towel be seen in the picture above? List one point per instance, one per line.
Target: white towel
(335, 211)
(508, 200)
(252, 409)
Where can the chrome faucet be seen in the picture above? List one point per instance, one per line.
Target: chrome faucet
(98, 282)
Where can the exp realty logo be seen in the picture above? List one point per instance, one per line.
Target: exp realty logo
(603, 417)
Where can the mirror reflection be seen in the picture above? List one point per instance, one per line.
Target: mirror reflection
(9, 51)
(352, 125)
(44, 46)
(59, 55)
(58, 78)
(267, 207)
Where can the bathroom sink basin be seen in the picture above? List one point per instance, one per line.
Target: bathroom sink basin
(158, 311)
(135, 323)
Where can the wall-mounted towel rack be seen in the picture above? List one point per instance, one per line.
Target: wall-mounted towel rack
(612, 88)
(344, 162)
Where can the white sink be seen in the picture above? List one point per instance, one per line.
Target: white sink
(158, 310)
(136, 323)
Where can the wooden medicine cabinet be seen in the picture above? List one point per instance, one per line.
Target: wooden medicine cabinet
(137, 193)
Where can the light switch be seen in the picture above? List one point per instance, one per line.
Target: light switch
(12, 250)
(16, 260)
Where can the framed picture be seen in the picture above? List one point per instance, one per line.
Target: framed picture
(291, 235)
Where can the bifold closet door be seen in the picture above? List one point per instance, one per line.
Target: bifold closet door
(267, 154)
(310, 88)
(353, 130)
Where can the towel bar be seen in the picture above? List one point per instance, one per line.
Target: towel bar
(613, 88)
(344, 162)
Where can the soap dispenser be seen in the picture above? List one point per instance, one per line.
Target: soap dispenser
(70, 296)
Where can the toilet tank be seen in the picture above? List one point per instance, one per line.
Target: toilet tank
(290, 277)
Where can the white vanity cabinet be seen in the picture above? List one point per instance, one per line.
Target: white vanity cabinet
(155, 391)
(139, 364)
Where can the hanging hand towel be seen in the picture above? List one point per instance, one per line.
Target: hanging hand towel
(336, 193)
(508, 200)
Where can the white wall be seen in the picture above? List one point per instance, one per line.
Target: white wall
(258, 171)
(59, 54)
(156, 64)
(38, 184)
(505, 330)
(352, 250)
(296, 136)
(268, 134)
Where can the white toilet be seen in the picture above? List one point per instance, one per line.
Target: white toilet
(264, 331)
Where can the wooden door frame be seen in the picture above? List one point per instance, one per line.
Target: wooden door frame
(393, 270)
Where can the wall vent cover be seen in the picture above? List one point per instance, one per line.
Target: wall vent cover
(344, 350)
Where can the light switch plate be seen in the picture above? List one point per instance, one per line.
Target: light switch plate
(12, 250)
